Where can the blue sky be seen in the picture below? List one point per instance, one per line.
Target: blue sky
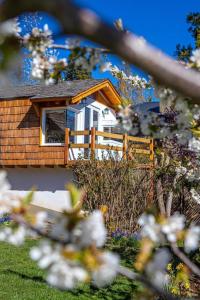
(161, 22)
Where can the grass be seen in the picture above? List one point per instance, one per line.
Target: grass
(21, 279)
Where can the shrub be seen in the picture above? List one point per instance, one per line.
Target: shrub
(119, 185)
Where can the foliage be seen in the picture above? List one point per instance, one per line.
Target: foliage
(75, 71)
(183, 53)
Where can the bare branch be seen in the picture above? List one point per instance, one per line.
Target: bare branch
(20, 220)
(160, 196)
(185, 259)
(89, 49)
(169, 203)
(134, 276)
(131, 48)
(122, 270)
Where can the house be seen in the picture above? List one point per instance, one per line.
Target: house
(147, 107)
(43, 129)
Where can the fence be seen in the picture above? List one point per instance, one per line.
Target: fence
(130, 145)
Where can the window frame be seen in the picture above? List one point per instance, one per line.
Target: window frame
(43, 123)
(93, 108)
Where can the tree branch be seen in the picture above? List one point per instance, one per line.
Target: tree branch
(157, 290)
(20, 220)
(89, 49)
(121, 270)
(131, 48)
(185, 259)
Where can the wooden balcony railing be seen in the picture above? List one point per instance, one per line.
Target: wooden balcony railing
(130, 145)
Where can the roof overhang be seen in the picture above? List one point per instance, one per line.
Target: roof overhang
(112, 98)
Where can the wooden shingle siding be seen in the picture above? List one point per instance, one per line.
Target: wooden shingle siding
(20, 137)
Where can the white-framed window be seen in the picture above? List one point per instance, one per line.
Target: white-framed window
(110, 129)
(54, 122)
(91, 119)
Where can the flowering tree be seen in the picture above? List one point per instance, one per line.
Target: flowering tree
(71, 250)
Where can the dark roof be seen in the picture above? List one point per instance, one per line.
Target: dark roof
(63, 89)
(147, 107)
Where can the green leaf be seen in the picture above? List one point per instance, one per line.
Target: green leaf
(28, 198)
(75, 195)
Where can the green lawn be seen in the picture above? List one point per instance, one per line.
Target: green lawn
(20, 279)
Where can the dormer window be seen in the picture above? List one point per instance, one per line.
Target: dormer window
(54, 122)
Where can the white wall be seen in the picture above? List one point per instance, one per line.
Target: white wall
(44, 179)
(50, 184)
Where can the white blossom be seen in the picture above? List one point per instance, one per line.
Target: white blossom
(8, 202)
(62, 273)
(45, 254)
(41, 219)
(174, 224)
(149, 226)
(180, 171)
(107, 270)
(156, 268)
(63, 276)
(106, 67)
(195, 58)
(195, 195)
(194, 144)
(156, 231)
(135, 81)
(9, 28)
(14, 236)
(192, 239)
(90, 231)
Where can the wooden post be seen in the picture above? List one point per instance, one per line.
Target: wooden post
(67, 133)
(92, 145)
(151, 191)
(151, 148)
(125, 145)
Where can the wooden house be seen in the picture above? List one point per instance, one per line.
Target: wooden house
(44, 128)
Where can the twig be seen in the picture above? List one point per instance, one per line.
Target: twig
(131, 48)
(121, 270)
(169, 203)
(89, 49)
(20, 220)
(160, 196)
(134, 276)
(185, 259)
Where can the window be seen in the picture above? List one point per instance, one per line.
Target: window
(91, 120)
(110, 129)
(95, 119)
(71, 121)
(55, 126)
(54, 123)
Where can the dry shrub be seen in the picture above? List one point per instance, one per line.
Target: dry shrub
(119, 185)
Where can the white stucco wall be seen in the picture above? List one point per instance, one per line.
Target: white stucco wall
(49, 182)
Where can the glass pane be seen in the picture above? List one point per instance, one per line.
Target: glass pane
(71, 121)
(87, 127)
(95, 119)
(111, 130)
(55, 126)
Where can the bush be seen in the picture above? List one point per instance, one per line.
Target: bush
(118, 185)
